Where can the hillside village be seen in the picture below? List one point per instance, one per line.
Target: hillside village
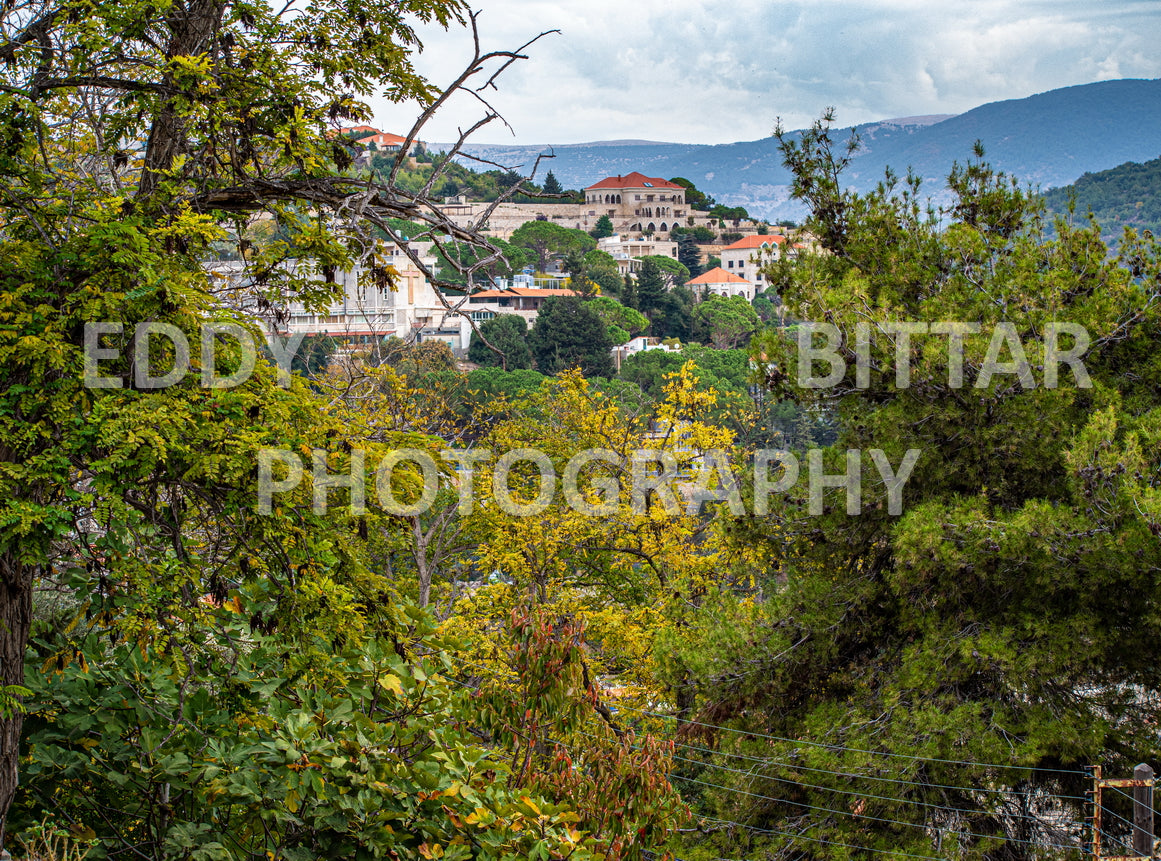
(649, 218)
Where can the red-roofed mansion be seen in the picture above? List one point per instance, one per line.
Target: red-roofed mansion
(637, 203)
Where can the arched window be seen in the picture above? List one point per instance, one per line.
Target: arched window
(651, 228)
(664, 229)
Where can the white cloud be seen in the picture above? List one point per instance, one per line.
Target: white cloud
(722, 70)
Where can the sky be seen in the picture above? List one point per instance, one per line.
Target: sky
(719, 71)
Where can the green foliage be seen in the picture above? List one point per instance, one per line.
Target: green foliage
(673, 271)
(729, 213)
(603, 228)
(462, 258)
(233, 682)
(313, 355)
(546, 239)
(763, 307)
(613, 314)
(728, 321)
(598, 261)
(816, 170)
(484, 185)
(236, 749)
(995, 631)
(569, 334)
(723, 371)
(491, 383)
(688, 254)
(674, 317)
(696, 199)
(629, 296)
(650, 287)
(700, 234)
(508, 333)
(1125, 196)
(551, 185)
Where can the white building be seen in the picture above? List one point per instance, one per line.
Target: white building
(640, 344)
(364, 312)
(745, 257)
(627, 252)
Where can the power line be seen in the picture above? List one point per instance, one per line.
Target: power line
(853, 775)
(853, 749)
(952, 810)
(853, 792)
(834, 746)
(851, 813)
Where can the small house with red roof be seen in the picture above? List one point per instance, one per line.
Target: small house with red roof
(721, 283)
(387, 142)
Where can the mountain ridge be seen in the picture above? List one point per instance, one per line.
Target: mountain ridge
(1046, 140)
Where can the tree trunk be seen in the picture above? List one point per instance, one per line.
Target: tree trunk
(15, 625)
(191, 32)
(421, 565)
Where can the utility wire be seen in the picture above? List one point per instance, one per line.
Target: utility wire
(834, 747)
(851, 813)
(855, 792)
(853, 749)
(854, 775)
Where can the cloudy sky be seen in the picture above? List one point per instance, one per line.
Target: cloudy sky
(717, 71)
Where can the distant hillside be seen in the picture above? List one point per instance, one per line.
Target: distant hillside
(1048, 140)
(1128, 195)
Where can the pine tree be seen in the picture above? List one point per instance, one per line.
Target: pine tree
(688, 254)
(603, 228)
(508, 333)
(650, 288)
(629, 293)
(568, 334)
(552, 185)
(1000, 609)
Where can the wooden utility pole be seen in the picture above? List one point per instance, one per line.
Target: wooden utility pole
(1143, 810)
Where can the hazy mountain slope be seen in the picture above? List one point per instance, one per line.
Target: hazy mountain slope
(1128, 195)
(1048, 139)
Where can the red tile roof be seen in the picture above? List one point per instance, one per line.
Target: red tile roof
(747, 242)
(333, 133)
(636, 180)
(718, 275)
(383, 139)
